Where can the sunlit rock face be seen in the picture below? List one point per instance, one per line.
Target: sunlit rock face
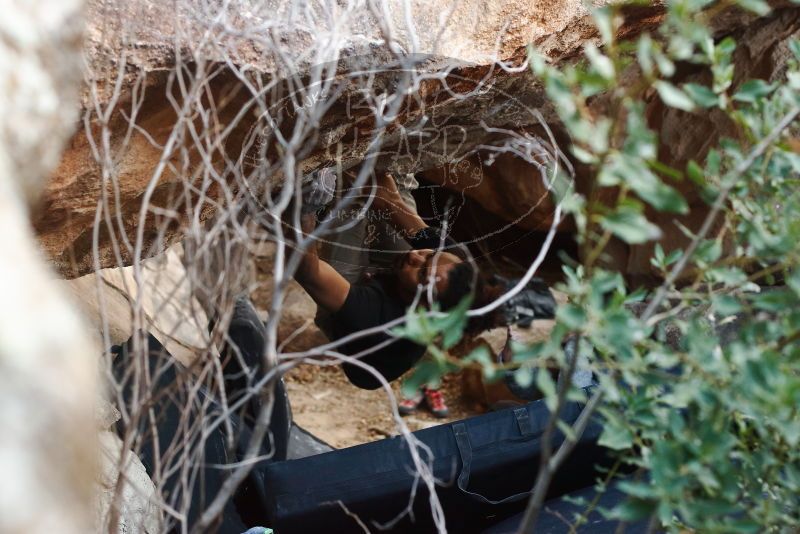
(162, 304)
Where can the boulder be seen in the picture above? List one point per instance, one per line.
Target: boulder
(496, 393)
(139, 174)
(148, 163)
(169, 310)
(172, 312)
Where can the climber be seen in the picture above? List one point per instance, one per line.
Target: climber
(351, 302)
(355, 304)
(371, 245)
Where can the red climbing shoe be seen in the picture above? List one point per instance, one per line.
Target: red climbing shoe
(435, 401)
(409, 406)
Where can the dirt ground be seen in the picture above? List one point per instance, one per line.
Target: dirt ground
(327, 405)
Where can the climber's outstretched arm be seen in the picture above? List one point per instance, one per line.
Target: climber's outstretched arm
(327, 287)
(405, 220)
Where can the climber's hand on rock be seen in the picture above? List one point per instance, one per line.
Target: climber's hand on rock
(318, 190)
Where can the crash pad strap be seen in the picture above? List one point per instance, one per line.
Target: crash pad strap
(523, 421)
(465, 452)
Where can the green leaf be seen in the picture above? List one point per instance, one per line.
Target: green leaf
(775, 300)
(630, 226)
(665, 170)
(665, 65)
(426, 372)
(713, 162)
(416, 327)
(708, 251)
(793, 79)
(725, 49)
(576, 395)
(524, 377)
(538, 62)
(752, 90)
(482, 357)
(479, 355)
(637, 489)
(658, 256)
(673, 256)
(703, 96)
(600, 62)
(603, 19)
(793, 281)
(723, 77)
(674, 97)
(726, 305)
(633, 171)
(634, 510)
(452, 326)
(566, 429)
(571, 315)
(759, 7)
(695, 173)
(616, 437)
(665, 198)
(548, 388)
(644, 53)
(730, 276)
(794, 46)
(584, 156)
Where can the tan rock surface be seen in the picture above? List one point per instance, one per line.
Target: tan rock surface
(173, 314)
(296, 330)
(466, 37)
(169, 309)
(150, 38)
(136, 505)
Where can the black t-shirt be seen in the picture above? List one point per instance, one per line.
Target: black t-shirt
(373, 303)
(370, 304)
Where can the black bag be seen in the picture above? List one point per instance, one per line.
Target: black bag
(488, 465)
(170, 408)
(241, 358)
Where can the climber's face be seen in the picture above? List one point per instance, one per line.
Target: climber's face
(420, 267)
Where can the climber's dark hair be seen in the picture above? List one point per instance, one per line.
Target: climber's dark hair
(465, 279)
(459, 285)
